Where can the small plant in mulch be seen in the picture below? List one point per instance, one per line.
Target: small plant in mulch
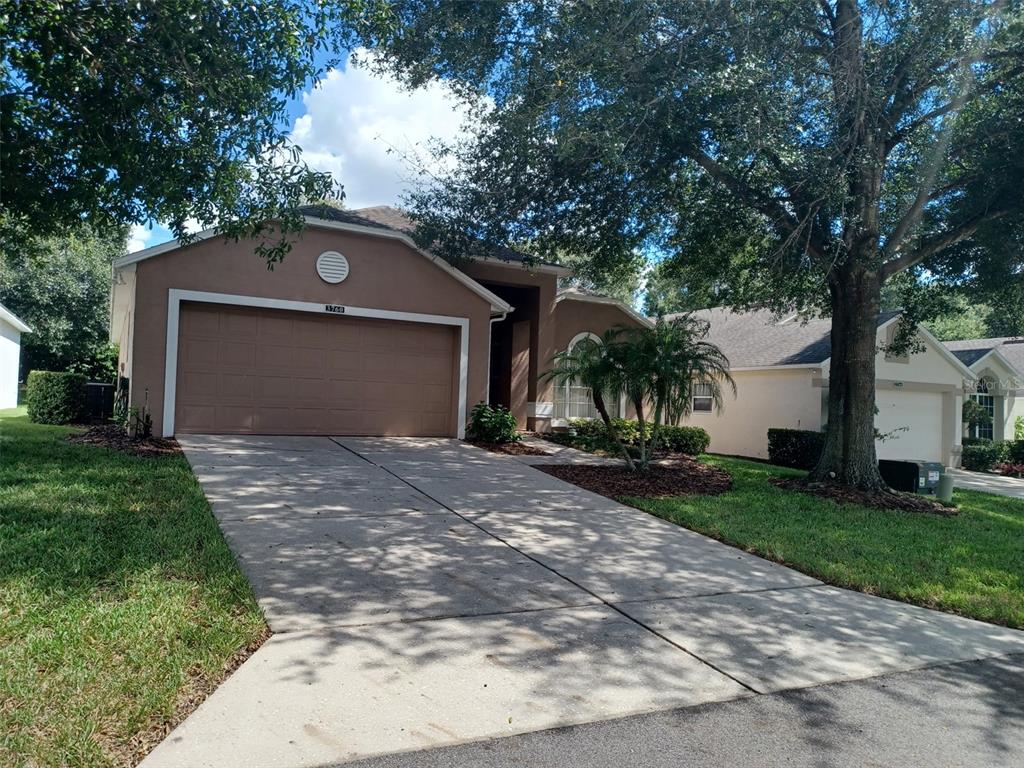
(682, 476)
(511, 449)
(115, 437)
(886, 500)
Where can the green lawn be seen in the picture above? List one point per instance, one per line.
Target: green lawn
(971, 564)
(119, 599)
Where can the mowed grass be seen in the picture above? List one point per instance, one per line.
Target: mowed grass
(119, 599)
(971, 564)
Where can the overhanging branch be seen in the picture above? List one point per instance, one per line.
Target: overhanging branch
(938, 243)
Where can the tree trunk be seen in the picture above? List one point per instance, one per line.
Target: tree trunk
(638, 403)
(849, 458)
(602, 409)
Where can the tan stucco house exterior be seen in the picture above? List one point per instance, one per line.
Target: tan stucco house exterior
(781, 367)
(357, 332)
(999, 365)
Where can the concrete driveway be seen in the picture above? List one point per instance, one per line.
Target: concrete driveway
(981, 481)
(426, 593)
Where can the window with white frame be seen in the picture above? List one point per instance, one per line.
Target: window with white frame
(988, 402)
(703, 399)
(573, 401)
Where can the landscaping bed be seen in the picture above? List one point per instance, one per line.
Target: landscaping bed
(511, 449)
(891, 500)
(681, 476)
(122, 606)
(116, 438)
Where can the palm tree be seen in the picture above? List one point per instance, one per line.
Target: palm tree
(661, 367)
(597, 366)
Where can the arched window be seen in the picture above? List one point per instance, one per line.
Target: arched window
(574, 401)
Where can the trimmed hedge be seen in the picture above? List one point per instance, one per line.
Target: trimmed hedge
(591, 435)
(982, 457)
(797, 448)
(55, 397)
(688, 440)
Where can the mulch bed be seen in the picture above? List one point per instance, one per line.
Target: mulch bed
(114, 437)
(887, 500)
(511, 449)
(681, 476)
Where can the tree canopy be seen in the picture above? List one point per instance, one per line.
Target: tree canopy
(120, 112)
(60, 286)
(795, 154)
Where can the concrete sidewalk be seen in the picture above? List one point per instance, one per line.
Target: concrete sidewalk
(426, 593)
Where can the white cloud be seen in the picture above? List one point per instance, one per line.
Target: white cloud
(142, 236)
(364, 129)
(139, 237)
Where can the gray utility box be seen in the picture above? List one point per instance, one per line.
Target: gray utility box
(911, 476)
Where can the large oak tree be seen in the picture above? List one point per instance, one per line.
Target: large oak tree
(121, 111)
(793, 153)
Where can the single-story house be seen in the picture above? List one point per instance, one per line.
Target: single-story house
(999, 365)
(358, 332)
(781, 369)
(11, 328)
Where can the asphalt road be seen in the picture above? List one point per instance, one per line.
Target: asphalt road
(969, 714)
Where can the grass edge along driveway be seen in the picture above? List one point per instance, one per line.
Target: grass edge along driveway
(121, 605)
(971, 564)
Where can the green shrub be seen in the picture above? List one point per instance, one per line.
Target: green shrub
(489, 424)
(55, 398)
(975, 441)
(1018, 428)
(1015, 451)
(797, 448)
(983, 457)
(689, 440)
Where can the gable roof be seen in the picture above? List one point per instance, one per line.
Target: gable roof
(578, 294)
(971, 351)
(396, 220)
(364, 226)
(12, 319)
(761, 339)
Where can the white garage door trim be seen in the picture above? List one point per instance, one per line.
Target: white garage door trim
(177, 295)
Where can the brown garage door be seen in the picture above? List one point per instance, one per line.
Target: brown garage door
(267, 371)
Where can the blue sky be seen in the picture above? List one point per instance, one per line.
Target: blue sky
(371, 134)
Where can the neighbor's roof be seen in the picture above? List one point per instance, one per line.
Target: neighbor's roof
(396, 220)
(762, 339)
(12, 319)
(970, 351)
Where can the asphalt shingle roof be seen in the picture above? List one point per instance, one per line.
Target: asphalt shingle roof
(760, 338)
(970, 351)
(395, 220)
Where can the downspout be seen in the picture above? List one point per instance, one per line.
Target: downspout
(490, 334)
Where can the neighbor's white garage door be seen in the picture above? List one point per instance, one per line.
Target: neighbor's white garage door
(921, 415)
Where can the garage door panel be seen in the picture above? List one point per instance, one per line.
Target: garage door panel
(237, 323)
(912, 423)
(233, 354)
(309, 359)
(200, 323)
(270, 371)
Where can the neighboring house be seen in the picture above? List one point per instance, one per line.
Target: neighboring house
(357, 332)
(781, 368)
(999, 365)
(11, 329)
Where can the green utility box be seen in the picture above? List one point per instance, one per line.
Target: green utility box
(911, 476)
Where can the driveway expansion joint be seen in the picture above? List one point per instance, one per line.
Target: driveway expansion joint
(579, 586)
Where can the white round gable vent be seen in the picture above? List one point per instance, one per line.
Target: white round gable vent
(332, 267)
